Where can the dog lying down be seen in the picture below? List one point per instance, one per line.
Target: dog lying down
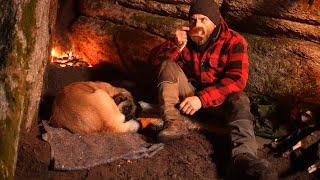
(97, 107)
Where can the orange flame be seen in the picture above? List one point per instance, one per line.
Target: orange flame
(63, 57)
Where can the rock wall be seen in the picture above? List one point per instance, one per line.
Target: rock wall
(24, 24)
(283, 67)
(282, 18)
(277, 18)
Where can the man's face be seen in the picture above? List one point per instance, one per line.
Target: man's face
(201, 28)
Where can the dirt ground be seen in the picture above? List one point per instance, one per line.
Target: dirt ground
(189, 158)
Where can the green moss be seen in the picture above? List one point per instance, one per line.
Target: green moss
(98, 5)
(10, 127)
(109, 27)
(7, 22)
(3, 76)
(28, 87)
(9, 138)
(3, 171)
(28, 24)
(20, 52)
(154, 21)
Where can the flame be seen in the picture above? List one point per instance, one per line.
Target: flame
(55, 53)
(64, 58)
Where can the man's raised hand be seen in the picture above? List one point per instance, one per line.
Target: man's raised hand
(181, 37)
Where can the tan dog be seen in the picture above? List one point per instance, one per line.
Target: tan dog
(89, 107)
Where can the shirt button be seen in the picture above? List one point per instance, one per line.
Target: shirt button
(204, 66)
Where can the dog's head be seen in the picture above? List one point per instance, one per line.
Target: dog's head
(127, 105)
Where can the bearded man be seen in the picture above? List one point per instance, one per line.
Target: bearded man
(203, 70)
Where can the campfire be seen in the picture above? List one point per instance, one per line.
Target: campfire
(67, 59)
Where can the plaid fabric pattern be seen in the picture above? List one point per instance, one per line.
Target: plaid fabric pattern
(220, 70)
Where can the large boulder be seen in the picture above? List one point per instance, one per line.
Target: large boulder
(108, 10)
(173, 8)
(24, 44)
(124, 48)
(297, 19)
(92, 40)
(281, 67)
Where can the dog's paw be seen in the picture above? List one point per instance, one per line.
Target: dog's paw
(132, 126)
(154, 124)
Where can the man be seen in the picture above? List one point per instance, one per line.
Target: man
(203, 70)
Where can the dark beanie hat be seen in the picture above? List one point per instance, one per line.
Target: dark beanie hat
(208, 8)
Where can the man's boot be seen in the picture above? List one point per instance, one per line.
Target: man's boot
(248, 166)
(174, 126)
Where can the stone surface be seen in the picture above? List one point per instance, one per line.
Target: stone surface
(92, 39)
(24, 25)
(3, 103)
(164, 8)
(282, 67)
(125, 48)
(156, 24)
(37, 61)
(176, 1)
(63, 17)
(173, 10)
(134, 47)
(297, 19)
(7, 20)
(183, 1)
(282, 18)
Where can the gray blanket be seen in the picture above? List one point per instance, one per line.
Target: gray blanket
(75, 152)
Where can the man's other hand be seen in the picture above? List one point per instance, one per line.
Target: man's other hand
(181, 37)
(190, 105)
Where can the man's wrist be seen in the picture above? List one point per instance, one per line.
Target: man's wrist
(199, 101)
(182, 47)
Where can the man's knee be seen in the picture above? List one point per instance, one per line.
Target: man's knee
(169, 71)
(238, 104)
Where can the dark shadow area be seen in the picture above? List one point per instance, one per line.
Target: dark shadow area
(7, 23)
(302, 159)
(67, 13)
(221, 145)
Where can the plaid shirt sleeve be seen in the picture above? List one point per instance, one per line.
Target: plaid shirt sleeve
(166, 51)
(235, 76)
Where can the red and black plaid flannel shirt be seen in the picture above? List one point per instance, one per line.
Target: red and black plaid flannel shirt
(222, 69)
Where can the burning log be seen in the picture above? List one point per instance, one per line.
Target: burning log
(67, 59)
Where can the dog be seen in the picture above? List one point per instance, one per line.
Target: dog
(94, 107)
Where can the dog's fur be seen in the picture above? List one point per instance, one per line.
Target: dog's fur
(91, 107)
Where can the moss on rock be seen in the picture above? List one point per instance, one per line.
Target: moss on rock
(13, 76)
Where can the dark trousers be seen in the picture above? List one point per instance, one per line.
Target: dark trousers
(233, 118)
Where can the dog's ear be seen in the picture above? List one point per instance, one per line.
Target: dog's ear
(118, 98)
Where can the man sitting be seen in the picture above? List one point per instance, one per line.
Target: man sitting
(203, 70)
